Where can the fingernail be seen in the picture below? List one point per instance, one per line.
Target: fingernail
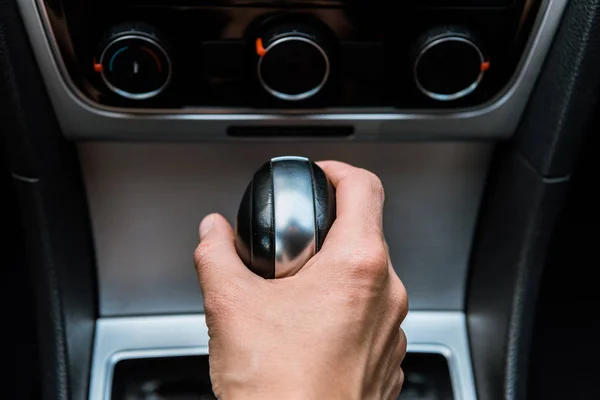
(206, 225)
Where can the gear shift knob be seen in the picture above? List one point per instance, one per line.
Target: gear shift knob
(284, 216)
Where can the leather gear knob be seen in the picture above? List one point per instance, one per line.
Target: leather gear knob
(284, 216)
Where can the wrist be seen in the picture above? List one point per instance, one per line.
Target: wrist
(304, 391)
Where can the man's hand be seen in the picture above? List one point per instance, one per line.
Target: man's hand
(332, 331)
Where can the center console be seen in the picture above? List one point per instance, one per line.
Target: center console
(173, 104)
(165, 357)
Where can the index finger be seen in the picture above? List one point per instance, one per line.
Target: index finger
(359, 201)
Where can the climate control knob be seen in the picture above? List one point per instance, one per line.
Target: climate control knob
(293, 62)
(449, 63)
(133, 62)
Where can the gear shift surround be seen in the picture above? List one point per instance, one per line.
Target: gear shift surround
(284, 216)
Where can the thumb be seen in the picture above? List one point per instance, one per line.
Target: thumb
(216, 259)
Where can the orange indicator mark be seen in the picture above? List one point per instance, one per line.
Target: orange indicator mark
(260, 50)
(97, 67)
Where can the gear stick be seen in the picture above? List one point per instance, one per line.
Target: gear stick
(284, 216)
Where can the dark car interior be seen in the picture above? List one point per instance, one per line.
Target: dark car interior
(126, 121)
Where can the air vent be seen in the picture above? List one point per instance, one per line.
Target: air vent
(290, 131)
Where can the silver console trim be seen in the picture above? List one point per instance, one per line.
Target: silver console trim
(124, 93)
(300, 96)
(81, 118)
(179, 335)
(461, 93)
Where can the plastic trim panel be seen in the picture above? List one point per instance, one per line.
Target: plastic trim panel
(164, 336)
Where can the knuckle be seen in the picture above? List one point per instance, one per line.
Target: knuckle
(398, 298)
(375, 184)
(397, 383)
(401, 380)
(403, 345)
(372, 261)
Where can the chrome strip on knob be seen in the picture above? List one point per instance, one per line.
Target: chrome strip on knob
(294, 214)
